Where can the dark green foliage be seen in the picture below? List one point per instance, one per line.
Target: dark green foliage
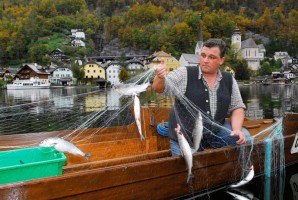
(166, 25)
(124, 75)
(77, 71)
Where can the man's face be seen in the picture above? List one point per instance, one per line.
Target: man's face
(210, 60)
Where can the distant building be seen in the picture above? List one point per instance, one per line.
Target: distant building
(62, 76)
(58, 55)
(78, 34)
(77, 38)
(113, 70)
(283, 56)
(170, 61)
(134, 65)
(249, 50)
(33, 70)
(189, 60)
(4, 74)
(78, 43)
(94, 72)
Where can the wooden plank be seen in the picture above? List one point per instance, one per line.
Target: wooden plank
(116, 161)
(290, 123)
(113, 149)
(165, 187)
(138, 174)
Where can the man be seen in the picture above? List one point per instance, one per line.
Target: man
(216, 93)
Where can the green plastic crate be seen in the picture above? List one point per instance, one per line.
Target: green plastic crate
(30, 163)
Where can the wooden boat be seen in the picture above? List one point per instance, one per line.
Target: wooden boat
(123, 167)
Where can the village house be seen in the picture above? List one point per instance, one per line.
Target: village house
(283, 56)
(58, 54)
(170, 61)
(33, 70)
(248, 49)
(62, 75)
(95, 73)
(77, 38)
(113, 70)
(5, 74)
(134, 65)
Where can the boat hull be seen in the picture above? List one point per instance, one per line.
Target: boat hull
(12, 87)
(143, 170)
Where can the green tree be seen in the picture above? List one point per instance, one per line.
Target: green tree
(265, 69)
(124, 75)
(238, 64)
(278, 64)
(242, 71)
(78, 72)
(37, 51)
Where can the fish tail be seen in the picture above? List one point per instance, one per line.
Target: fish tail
(189, 178)
(87, 155)
(140, 129)
(142, 137)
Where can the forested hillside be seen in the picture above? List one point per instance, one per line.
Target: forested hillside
(31, 29)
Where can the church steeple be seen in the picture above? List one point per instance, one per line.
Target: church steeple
(199, 45)
(236, 38)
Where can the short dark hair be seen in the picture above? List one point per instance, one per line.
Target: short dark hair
(214, 42)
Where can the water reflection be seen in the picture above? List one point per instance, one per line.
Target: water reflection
(269, 101)
(113, 99)
(29, 96)
(261, 101)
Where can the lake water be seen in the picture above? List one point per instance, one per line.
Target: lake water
(40, 110)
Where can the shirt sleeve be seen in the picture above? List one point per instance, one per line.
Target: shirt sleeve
(176, 80)
(236, 99)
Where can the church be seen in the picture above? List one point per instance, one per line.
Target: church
(248, 49)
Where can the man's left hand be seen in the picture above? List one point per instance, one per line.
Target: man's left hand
(241, 135)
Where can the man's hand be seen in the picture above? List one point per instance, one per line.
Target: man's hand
(240, 134)
(160, 70)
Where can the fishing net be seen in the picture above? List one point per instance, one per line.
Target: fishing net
(105, 117)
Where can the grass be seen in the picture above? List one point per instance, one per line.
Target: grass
(55, 41)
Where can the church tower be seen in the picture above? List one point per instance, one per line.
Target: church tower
(236, 38)
(199, 45)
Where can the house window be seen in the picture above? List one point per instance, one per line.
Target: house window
(99, 71)
(91, 76)
(88, 70)
(86, 76)
(94, 71)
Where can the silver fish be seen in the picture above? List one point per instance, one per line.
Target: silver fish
(129, 89)
(137, 112)
(185, 151)
(63, 145)
(248, 178)
(197, 133)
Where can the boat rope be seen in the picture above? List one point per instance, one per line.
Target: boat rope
(163, 129)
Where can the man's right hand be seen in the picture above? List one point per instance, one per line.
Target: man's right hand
(160, 70)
